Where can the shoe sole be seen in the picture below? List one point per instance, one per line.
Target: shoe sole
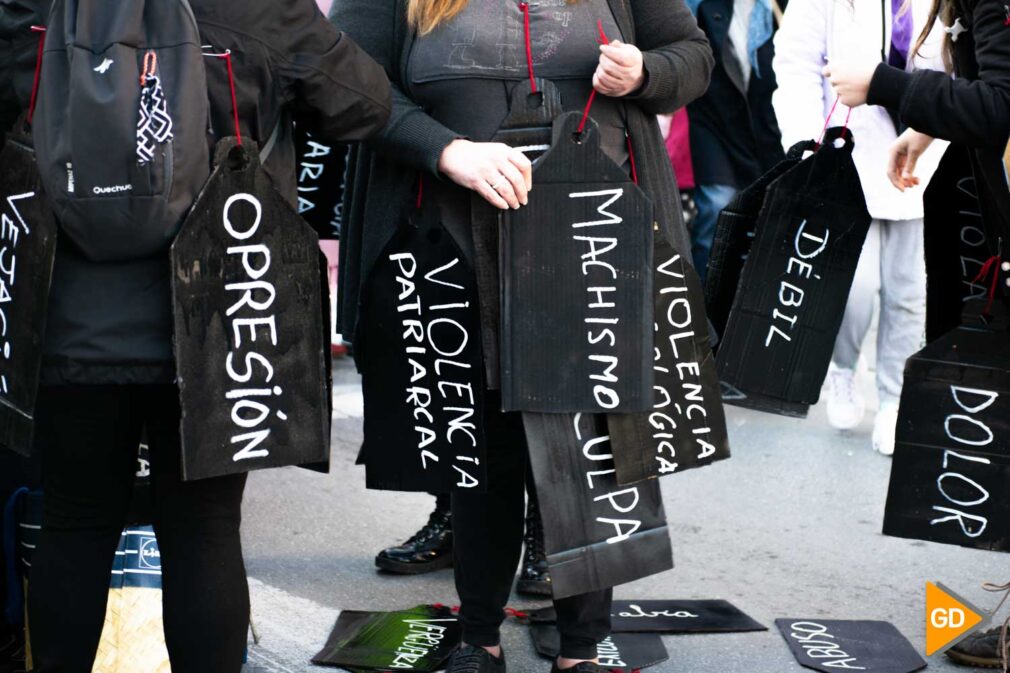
(401, 568)
(969, 660)
(534, 588)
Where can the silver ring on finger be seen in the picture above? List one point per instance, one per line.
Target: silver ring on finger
(498, 184)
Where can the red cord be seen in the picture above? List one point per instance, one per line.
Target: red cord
(41, 30)
(420, 191)
(234, 98)
(525, 6)
(592, 94)
(991, 265)
(827, 122)
(631, 156)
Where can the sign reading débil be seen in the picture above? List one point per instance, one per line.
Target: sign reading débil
(248, 327)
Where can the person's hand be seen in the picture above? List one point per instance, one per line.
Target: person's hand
(499, 173)
(905, 151)
(851, 81)
(621, 70)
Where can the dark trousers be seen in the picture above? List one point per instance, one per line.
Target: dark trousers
(88, 437)
(488, 534)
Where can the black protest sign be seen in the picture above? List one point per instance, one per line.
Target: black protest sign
(597, 533)
(577, 284)
(321, 173)
(625, 652)
(950, 477)
(668, 616)
(781, 333)
(687, 426)
(248, 329)
(528, 128)
(734, 234)
(956, 242)
(419, 353)
(27, 250)
(419, 639)
(838, 645)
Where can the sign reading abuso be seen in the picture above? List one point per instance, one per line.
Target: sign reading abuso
(248, 326)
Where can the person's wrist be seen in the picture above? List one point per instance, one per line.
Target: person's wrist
(447, 151)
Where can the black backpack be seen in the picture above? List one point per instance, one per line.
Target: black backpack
(121, 125)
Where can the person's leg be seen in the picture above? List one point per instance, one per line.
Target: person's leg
(710, 201)
(206, 596)
(902, 320)
(902, 303)
(845, 404)
(584, 622)
(859, 308)
(427, 550)
(488, 531)
(88, 437)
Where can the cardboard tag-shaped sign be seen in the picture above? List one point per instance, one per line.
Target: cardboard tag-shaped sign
(832, 645)
(320, 183)
(528, 128)
(956, 242)
(248, 326)
(620, 652)
(950, 477)
(597, 533)
(795, 284)
(687, 427)
(668, 616)
(420, 357)
(734, 234)
(27, 251)
(577, 313)
(419, 639)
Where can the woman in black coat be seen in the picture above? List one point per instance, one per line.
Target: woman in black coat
(971, 110)
(453, 64)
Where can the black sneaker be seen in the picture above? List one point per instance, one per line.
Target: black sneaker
(535, 578)
(584, 667)
(428, 550)
(979, 649)
(470, 659)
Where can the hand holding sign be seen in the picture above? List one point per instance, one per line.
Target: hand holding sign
(502, 175)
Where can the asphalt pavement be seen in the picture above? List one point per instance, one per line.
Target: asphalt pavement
(789, 527)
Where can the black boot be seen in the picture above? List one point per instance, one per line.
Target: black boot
(979, 649)
(470, 659)
(12, 650)
(429, 549)
(584, 667)
(535, 579)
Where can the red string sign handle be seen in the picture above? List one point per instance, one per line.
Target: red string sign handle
(592, 94)
(231, 85)
(41, 30)
(525, 7)
(831, 114)
(992, 265)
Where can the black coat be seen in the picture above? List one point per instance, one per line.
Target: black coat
(735, 137)
(972, 110)
(382, 176)
(290, 64)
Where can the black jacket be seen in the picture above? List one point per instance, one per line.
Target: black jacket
(112, 323)
(972, 110)
(382, 176)
(735, 137)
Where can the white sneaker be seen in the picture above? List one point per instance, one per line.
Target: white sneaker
(884, 428)
(846, 406)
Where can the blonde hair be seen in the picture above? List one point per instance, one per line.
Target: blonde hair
(427, 15)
